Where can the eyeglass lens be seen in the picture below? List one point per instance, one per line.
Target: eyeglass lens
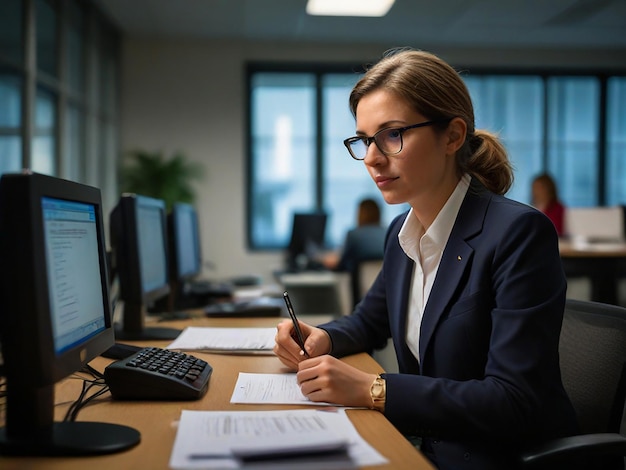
(388, 141)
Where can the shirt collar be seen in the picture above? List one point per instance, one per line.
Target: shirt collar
(439, 231)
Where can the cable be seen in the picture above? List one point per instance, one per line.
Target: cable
(84, 398)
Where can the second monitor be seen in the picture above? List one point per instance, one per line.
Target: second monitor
(307, 239)
(138, 227)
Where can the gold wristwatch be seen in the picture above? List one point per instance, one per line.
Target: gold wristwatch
(378, 392)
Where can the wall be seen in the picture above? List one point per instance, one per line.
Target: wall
(190, 96)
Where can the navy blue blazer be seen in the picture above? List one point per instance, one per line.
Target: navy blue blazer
(489, 381)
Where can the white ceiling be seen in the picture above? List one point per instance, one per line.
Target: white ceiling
(568, 24)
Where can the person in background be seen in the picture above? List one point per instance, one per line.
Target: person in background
(472, 290)
(545, 198)
(365, 241)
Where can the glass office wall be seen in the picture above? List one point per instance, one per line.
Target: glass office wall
(10, 118)
(58, 90)
(547, 123)
(573, 134)
(616, 142)
(345, 181)
(47, 34)
(293, 167)
(282, 167)
(44, 141)
(513, 108)
(11, 30)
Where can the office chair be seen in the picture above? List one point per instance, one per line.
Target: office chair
(592, 351)
(362, 279)
(363, 276)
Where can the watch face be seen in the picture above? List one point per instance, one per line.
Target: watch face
(377, 388)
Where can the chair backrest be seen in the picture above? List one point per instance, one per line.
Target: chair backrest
(315, 292)
(368, 270)
(592, 349)
(363, 276)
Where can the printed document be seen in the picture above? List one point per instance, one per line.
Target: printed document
(228, 340)
(277, 439)
(265, 389)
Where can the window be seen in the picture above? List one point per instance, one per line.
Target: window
(282, 167)
(616, 142)
(573, 120)
(298, 121)
(293, 166)
(10, 118)
(512, 107)
(56, 118)
(44, 141)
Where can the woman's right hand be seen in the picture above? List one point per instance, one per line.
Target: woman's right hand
(316, 343)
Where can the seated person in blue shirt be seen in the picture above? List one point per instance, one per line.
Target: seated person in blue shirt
(366, 241)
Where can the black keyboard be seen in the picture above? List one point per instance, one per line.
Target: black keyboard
(158, 374)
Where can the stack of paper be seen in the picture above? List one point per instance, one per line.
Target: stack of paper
(277, 439)
(230, 340)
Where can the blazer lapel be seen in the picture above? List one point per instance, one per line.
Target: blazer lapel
(455, 260)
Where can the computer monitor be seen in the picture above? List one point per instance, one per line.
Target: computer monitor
(55, 314)
(307, 238)
(184, 241)
(138, 227)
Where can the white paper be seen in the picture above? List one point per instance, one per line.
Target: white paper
(246, 340)
(266, 389)
(205, 439)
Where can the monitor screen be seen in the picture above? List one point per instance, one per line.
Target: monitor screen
(138, 226)
(152, 246)
(74, 277)
(55, 314)
(184, 236)
(307, 238)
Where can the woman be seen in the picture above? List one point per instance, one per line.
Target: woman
(472, 290)
(546, 199)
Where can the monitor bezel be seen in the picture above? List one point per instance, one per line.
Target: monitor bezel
(23, 246)
(124, 240)
(31, 363)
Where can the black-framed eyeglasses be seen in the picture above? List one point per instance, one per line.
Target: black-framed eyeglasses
(388, 140)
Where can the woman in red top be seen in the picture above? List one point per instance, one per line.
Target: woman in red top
(546, 199)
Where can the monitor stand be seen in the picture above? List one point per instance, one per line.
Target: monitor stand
(133, 326)
(73, 438)
(148, 333)
(31, 431)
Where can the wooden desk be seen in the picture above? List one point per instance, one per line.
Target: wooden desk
(156, 420)
(601, 263)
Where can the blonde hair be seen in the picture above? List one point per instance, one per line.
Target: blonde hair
(436, 91)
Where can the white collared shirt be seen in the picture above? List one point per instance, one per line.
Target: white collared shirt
(426, 249)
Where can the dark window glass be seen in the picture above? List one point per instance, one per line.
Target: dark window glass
(47, 31)
(573, 122)
(512, 107)
(10, 119)
(11, 21)
(616, 142)
(43, 158)
(76, 49)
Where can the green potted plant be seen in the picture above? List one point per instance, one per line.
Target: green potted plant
(152, 174)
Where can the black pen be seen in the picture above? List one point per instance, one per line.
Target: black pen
(294, 320)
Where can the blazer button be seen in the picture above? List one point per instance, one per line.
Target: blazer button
(467, 456)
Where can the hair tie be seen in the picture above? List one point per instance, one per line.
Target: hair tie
(475, 142)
